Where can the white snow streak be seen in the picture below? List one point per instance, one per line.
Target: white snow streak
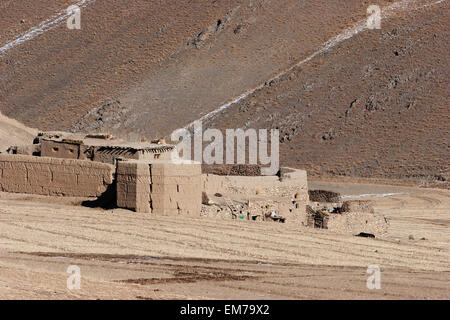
(371, 195)
(348, 33)
(43, 27)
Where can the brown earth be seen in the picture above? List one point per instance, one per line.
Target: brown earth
(13, 133)
(122, 254)
(373, 107)
(376, 105)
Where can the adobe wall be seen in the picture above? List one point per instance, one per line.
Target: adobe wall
(292, 180)
(159, 187)
(133, 185)
(62, 150)
(152, 156)
(108, 155)
(287, 194)
(74, 149)
(53, 176)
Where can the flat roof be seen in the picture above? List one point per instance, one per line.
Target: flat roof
(103, 141)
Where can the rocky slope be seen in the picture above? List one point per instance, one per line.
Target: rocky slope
(375, 105)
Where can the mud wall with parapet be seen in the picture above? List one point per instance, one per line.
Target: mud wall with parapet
(56, 149)
(287, 193)
(104, 154)
(290, 183)
(109, 155)
(53, 176)
(159, 187)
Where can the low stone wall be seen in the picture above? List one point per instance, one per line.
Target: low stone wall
(159, 187)
(323, 196)
(358, 222)
(52, 176)
(353, 217)
(358, 206)
(251, 170)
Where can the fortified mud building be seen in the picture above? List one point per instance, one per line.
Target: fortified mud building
(144, 178)
(140, 176)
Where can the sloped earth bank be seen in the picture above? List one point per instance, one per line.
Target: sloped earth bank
(13, 132)
(122, 254)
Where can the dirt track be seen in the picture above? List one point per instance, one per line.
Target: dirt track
(126, 255)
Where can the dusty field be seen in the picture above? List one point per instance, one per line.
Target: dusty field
(126, 255)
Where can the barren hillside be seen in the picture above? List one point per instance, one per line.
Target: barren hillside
(13, 132)
(374, 105)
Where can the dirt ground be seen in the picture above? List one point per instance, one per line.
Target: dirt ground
(124, 255)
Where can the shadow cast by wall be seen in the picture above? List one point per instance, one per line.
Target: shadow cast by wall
(107, 200)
